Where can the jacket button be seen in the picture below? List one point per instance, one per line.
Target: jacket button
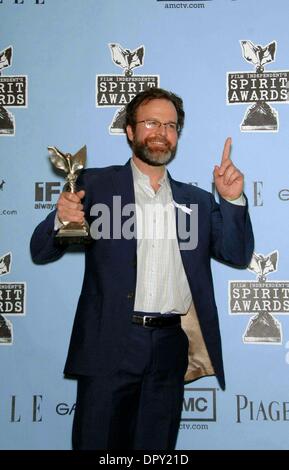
(130, 295)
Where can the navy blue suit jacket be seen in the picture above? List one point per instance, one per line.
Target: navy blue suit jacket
(106, 302)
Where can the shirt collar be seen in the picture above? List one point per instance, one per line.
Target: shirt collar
(140, 177)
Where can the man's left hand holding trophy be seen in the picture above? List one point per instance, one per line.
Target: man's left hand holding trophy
(74, 228)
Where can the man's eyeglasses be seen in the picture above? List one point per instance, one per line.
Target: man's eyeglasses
(152, 124)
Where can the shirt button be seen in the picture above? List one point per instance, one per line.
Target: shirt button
(130, 295)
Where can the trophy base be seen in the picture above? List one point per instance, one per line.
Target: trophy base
(257, 339)
(263, 328)
(260, 117)
(5, 331)
(73, 233)
(117, 124)
(269, 127)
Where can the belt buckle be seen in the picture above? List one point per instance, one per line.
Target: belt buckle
(145, 319)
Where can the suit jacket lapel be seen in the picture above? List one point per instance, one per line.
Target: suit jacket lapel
(122, 181)
(123, 184)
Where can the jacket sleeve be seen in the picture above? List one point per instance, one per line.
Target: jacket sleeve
(232, 239)
(43, 246)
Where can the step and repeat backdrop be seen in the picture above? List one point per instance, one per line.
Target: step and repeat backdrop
(67, 69)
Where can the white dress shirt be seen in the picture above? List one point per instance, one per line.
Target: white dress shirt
(162, 284)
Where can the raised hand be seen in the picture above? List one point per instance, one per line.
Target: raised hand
(229, 180)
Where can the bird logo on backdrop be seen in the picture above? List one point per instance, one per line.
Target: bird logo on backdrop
(5, 58)
(126, 58)
(5, 264)
(262, 265)
(258, 55)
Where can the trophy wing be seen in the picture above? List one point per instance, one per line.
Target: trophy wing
(5, 264)
(78, 160)
(58, 159)
(136, 57)
(269, 53)
(119, 55)
(5, 58)
(254, 265)
(271, 263)
(250, 52)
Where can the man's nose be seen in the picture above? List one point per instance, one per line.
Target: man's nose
(162, 129)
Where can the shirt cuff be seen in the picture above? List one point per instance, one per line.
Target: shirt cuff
(240, 201)
(57, 223)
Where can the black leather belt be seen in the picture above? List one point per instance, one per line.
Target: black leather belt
(156, 322)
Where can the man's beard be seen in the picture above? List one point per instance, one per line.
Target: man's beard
(154, 157)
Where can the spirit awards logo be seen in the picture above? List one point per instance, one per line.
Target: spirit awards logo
(12, 300)
(118, 90)
(13, 93)
(258, 88)
(262, 299)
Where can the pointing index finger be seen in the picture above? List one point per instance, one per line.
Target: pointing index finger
(227, 150)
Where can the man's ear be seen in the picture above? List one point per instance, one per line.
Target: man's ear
(129, 133)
